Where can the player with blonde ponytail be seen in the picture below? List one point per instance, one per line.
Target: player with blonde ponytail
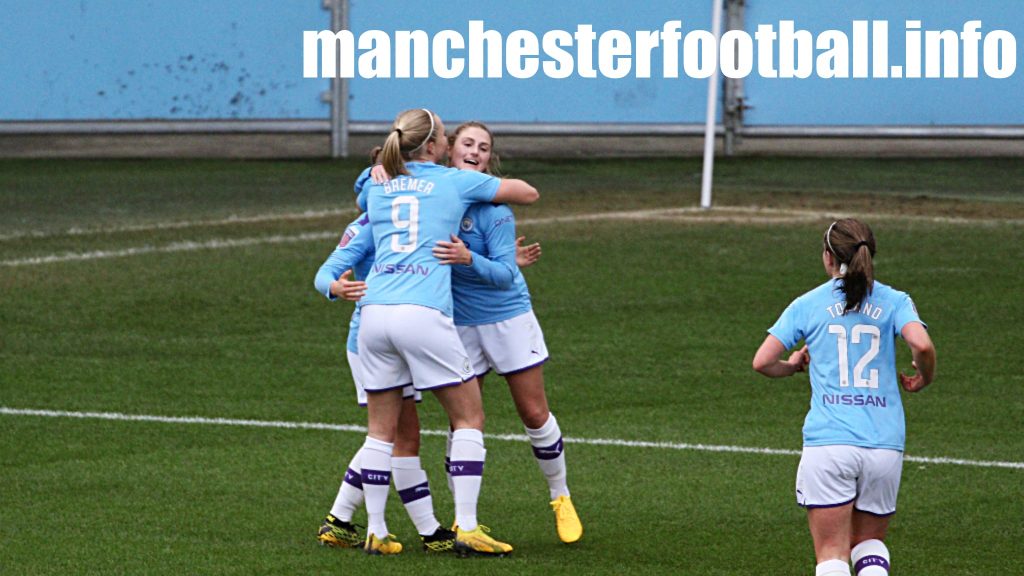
(854, 433)
(494, 315)
(412, 131)
(407, 335)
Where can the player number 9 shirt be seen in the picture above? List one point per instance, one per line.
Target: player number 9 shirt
(408, 215)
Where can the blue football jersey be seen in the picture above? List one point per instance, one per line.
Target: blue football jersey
(363, 182)
(355, 251)
(855, 395)
(492, 289)
(409, 215)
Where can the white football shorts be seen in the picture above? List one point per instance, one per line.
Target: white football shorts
(831, 476)
(406, 339)
(357, 377)
(508, 346)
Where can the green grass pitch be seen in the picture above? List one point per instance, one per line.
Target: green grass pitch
(652, 318)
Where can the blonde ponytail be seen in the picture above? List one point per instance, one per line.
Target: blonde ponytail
(410, 133)
(391, 155)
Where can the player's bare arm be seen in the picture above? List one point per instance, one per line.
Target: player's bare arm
(513, 191)
(767, 360)
(923, 351)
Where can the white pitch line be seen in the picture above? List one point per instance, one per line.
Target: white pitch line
(814, 214)
(316, 214)
(181, 224)
(253, 241)
(117, 416)
(735, 214)
(169, 248)
(312, 215)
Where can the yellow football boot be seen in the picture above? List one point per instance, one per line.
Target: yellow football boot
(477, 542)
(381, 546)
(566, 521)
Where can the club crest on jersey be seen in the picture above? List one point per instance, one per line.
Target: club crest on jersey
(467, 224)
(347, 237)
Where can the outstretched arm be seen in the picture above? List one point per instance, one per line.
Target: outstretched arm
(923, 351)
(512, 191)
(767, 359)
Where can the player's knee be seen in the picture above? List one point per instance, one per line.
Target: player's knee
(863, 535)
(407, 441)
(406, 446)
(535, 416)
(473, 420)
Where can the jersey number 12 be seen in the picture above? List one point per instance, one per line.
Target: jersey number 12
(856, 335)
(411, 224)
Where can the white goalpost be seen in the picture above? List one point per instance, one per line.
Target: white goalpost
(709, 121)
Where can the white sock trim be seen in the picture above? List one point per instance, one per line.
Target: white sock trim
(378, 445)
(545, 430)
(832, 568)
(406, 463)
(468, 435)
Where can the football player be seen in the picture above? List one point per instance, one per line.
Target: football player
(849, 473)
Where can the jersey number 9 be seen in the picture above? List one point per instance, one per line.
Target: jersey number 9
(411, 224)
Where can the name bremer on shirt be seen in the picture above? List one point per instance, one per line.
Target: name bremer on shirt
(406, 184)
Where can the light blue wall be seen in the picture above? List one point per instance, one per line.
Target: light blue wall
(816, 101)
(539, 99)
(190, 59)
(168, 59)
